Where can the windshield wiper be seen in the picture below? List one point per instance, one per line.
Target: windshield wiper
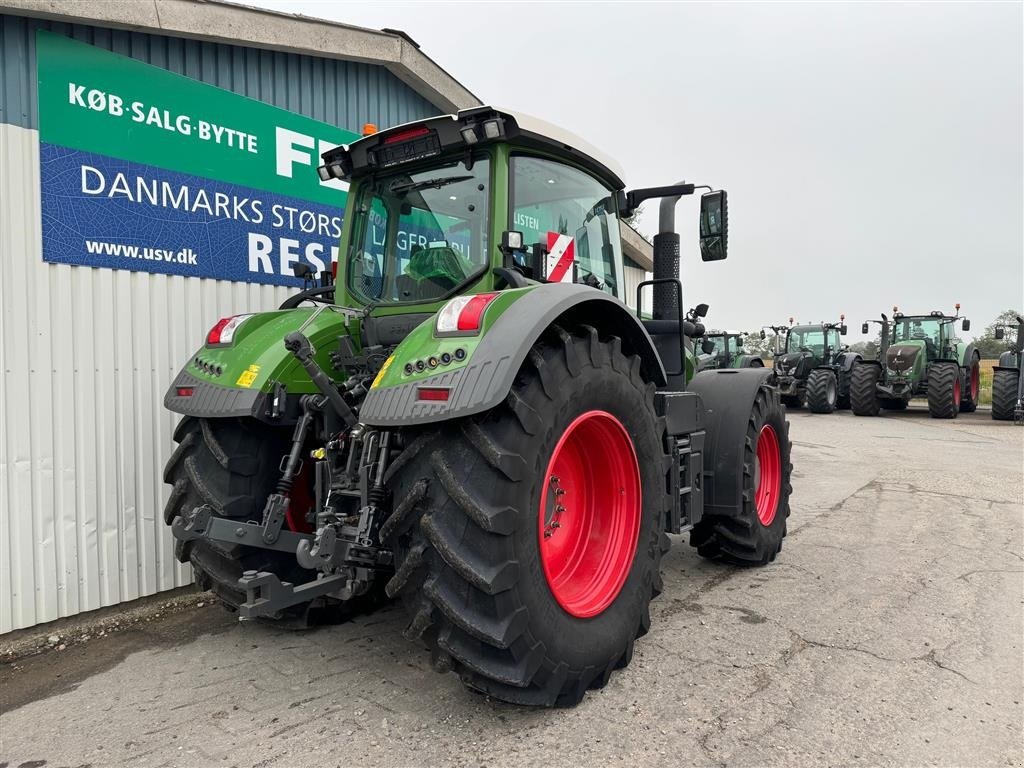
(397, 188)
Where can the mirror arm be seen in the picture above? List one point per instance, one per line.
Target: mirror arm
(630, 201)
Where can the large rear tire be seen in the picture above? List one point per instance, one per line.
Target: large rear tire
(944, 390)
(753, 533)
(1004, 393)
(864, 389)
(478, 536)
(972, 392)
(232, 465)
(822, 391)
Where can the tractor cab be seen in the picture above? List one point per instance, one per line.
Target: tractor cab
(934, 332)
(725, 350)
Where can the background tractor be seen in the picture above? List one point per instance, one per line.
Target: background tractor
(1007, 383)
(918, 356)
(813, 367)
(471, 420)
(725, 350)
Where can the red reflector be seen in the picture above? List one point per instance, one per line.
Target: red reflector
(469, 317)
(334, 270)
(411, 133)
(432, 393)
(185, 391)
(213, 337)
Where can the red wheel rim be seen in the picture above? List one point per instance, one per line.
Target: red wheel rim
(975, 382)
(767, 475)
(589, 516)
(956, 391)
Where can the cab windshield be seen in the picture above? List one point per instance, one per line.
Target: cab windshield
(420, 236)
(926, 329)
(809, 338)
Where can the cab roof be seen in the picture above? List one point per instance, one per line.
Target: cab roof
(466, 129)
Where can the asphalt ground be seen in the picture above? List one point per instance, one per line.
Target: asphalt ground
(889, 632)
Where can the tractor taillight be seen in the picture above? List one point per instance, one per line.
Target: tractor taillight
(463, 314)
(435, 394)
(184, 391)
(224, 331)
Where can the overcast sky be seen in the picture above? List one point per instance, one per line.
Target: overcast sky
(872, 151)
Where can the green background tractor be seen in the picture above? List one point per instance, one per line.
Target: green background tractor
(472, 420)
(919, 356)
(1007, 383)
(724, 350)
(813, 367)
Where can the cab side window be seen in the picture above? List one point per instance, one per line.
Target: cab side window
(551, 198)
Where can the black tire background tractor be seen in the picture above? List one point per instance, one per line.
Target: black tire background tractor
(465, 530)
(822, 391)
(233, 464)
(794, 401)
(1004, 393)
(943, 385)
(863, 389)
(740, 538)
(968, 403)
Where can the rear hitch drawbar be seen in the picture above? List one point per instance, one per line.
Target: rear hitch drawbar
(266, 595)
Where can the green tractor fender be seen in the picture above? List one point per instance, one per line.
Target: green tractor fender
(243, 377)
(967, 354)
(728, 396)
(413, 389)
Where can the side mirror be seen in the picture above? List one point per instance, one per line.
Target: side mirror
(707, 347)
(863, 327)
(303, 271)
(701, 310)
(763, 335)
(842, 329)
(1000, 333)
(714, 225)
(965, 325)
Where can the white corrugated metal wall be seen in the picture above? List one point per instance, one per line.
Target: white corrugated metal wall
(87, 356)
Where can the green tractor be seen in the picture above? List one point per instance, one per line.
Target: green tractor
(725, 350)
(1007, 383)
(470, 418)
(812, 366)
(918, 356)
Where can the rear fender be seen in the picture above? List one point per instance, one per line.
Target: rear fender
(728, 396)
(492, 362)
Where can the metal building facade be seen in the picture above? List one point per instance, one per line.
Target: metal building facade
(87, 353)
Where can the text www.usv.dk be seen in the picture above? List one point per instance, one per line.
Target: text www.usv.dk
(183, 256)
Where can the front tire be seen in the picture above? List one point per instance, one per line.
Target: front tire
(752, 534)
(474, 526)
(864, 389)
(944, 390)
(1004, 393)
(822, 391)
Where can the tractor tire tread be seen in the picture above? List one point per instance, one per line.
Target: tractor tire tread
(460, 576)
